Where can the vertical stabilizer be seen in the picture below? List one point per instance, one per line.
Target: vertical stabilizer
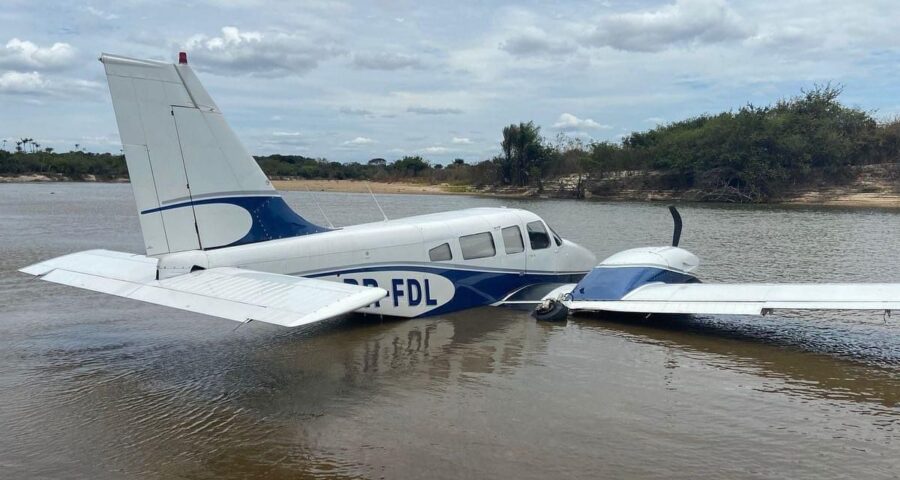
(195, 185)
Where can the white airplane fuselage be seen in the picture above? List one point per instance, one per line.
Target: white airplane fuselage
(429, 264)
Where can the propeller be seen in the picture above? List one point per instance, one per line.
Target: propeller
(676, 217)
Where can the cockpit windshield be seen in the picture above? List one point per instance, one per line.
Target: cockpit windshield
(556, 237)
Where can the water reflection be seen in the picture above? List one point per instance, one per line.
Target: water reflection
(804, 358)
(255, 402)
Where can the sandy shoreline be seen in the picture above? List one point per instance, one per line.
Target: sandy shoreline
(348, 186)
(355, 186)
(852, 199)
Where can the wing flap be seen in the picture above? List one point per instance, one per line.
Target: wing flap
(232, 293)
(749, 299)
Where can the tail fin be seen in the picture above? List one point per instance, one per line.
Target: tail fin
(195, 185)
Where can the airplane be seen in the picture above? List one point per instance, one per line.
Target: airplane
(220, 240)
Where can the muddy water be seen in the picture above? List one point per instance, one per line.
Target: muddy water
(98, 387)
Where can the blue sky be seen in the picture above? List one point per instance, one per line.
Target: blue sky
(350, 81)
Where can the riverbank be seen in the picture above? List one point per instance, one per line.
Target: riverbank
(47, 178)
(876, 185)
(873, 188)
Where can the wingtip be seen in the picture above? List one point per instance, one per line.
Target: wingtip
(37, 269)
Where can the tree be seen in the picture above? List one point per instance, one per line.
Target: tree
(525, 157)
(377, 162)
(410, 166)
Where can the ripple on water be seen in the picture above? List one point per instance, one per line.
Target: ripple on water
(94, 387)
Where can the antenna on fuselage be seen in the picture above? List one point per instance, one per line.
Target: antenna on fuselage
(376, 202)
(316, 201)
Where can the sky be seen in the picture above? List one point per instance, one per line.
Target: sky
(351, 81)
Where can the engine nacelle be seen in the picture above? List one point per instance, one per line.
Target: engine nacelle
(628, 270)
(670, 258)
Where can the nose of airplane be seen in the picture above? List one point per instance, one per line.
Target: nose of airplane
(576, 258)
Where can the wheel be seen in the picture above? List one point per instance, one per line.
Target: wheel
(550, 311)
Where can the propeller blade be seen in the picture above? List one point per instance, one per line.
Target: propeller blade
(676, 217)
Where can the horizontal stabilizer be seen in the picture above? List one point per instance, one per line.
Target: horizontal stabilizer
(232, 293)
(748, 299)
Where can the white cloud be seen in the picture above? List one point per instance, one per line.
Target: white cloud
(462, 141)
(100, 13)
(259, 53)
(685, 22)
(436, 149)
(568, 122)
(22, 54)
(359, 141)
(110, 140)
(385, 61)
(530, 40)
(34, 84)
(434, 110)
(518, 33)
(356, 111)
(281, 140)
(19, 82)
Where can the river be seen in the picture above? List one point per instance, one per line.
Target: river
(93, 386)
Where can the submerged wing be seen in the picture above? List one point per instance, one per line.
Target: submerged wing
(232, 293)
(748, 299)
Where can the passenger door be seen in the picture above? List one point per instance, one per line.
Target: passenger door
(540, 247)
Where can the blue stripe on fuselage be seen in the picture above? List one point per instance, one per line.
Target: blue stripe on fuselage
(272, 218)
(473, 288)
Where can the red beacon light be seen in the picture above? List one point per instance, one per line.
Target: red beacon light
(182, 58)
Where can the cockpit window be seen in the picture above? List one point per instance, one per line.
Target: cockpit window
(480, 245)
(440, 253)
(537, 235)
(512, 239)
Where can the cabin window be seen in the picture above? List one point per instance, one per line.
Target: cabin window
(440, 253)
(537, 235)
(480, 245)
(512, 239)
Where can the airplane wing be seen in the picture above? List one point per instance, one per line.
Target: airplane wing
(233, 293)
(747, 299)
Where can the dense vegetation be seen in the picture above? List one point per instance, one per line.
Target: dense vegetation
(29, 158)
(752, 154)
